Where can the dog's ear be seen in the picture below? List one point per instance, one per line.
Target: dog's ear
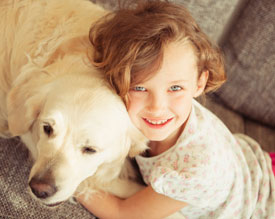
(138, 142)
(24, 105)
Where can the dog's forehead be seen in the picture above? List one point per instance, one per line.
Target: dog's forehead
(85, 104)
(105, 116)
(92, 113)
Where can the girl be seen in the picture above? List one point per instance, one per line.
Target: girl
(158, 60)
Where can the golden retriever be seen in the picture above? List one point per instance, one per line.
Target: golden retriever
(76, 128)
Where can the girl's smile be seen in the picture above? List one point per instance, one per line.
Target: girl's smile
(157, 123)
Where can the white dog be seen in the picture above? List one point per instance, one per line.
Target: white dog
(74, 125)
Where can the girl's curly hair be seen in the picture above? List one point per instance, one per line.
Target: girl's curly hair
(129, 44)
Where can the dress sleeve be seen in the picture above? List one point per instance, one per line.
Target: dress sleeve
(198, 181)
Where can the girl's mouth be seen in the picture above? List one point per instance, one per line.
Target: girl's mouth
(157, 123)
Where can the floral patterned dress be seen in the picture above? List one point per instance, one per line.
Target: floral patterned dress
(218, 174)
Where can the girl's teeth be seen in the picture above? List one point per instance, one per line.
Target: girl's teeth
(159, 122)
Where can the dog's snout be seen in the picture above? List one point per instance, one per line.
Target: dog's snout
(42, 189)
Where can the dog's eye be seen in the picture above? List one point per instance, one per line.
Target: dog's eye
(88, 150)
(48, 129)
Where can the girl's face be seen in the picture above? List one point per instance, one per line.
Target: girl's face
(160, 106)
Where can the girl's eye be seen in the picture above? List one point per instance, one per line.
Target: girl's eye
(175, 88)
(139, 88)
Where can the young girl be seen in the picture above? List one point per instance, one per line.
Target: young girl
(158, 60)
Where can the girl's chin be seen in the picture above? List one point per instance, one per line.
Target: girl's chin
(169, 136)
(156, 137)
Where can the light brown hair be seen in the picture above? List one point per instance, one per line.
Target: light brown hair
(129, 44)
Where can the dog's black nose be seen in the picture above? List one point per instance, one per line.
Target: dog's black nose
(41, 189)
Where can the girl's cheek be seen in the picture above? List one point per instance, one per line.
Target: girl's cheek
(137, 94)
(134, 104)
(178, 98)
(181, 101)
(137, 97)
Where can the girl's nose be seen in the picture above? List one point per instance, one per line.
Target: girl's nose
(156, 103)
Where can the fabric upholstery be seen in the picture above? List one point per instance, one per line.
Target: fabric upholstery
(212, 16)
(250, 62)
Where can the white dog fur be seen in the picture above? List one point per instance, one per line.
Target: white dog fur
(76, 128)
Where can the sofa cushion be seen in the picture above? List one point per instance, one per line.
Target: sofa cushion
(250, 63)
(212, 16)
(15, 198)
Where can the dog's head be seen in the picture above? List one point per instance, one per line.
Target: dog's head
(75, 126)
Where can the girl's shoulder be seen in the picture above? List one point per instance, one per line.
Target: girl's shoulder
(205, 127)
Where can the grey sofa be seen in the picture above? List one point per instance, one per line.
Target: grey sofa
(245, 30)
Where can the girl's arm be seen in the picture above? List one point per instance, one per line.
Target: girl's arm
(144, 204)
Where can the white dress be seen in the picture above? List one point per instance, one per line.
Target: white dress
(219, 175)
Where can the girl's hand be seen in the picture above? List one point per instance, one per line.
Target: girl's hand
(144, 204)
